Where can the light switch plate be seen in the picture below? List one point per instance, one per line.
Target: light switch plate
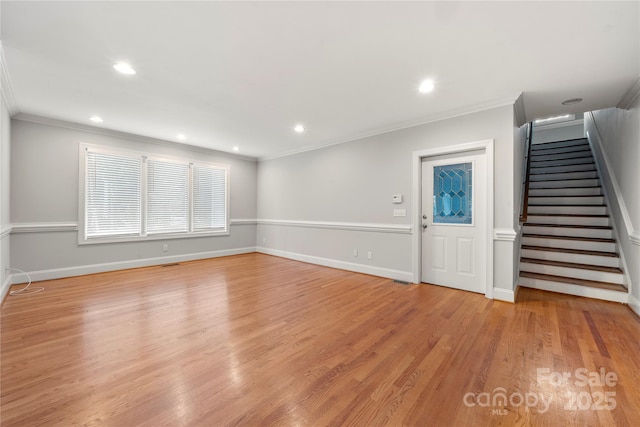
(399, 212)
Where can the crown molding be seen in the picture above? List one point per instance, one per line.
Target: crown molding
(630, 95)
(6, 86)
(125, 135)
(450, 114)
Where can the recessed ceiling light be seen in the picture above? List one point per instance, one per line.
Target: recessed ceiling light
(181, 137)
(572, 101)
(96, 119)
(236, 148)
(299, 128)
(124, 68)
(426, 86)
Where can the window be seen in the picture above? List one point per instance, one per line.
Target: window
(135, 196)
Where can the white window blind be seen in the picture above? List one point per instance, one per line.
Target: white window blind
(113, 195)
(127, 195)
(209, 198)
(167, 197)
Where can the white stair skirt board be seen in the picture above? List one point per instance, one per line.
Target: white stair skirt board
(566, 209)
(564, 183)
(564, 176)
(603, 261)
(575, 191)
(567, 288)
(537, 162)
(597, 233)
(563, 168)
(584, 245)
(568, 220)
(577, 273)
(565, 200)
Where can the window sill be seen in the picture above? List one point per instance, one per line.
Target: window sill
(152, 237)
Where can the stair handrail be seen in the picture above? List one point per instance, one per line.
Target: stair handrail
(527, 169)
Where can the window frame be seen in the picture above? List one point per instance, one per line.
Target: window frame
(143, 236)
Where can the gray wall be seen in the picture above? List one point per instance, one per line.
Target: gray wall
(354, 183)
(551, 133)
(615, 136)
(5, 162)
(44, 201)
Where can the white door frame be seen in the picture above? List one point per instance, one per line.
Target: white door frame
(487, 146)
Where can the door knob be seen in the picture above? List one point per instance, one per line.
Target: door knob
(424, 225)
(424, 217)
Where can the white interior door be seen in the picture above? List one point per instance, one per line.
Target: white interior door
(454, 220)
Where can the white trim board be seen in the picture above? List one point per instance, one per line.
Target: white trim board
(596, 142)
(505, 234)
(58, 273)
(45, 227)
(506, 295)
(417, 156)
(388, 273)
(351, 226)
(5, 288)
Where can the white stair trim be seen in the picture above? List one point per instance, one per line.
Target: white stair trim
(571, 289)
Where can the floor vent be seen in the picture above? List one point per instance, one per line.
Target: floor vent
(171, 265)
(402, 282)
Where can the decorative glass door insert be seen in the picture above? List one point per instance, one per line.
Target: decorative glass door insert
(453, 194)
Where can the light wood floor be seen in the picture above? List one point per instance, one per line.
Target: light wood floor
(257, 340)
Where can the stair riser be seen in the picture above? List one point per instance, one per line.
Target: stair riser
(535, 151)
(538, 162)
(565, 288)
(568, 209)
(567, 154)
(570, 244)
(595, 191)
(569, 231)
(564, 184)
(564, 168)
(558, 144)
(567, 201)
(576, 273)
(602, 261)
(563, 175)
(563, 220)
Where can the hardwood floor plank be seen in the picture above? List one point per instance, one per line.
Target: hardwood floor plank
(254, 340)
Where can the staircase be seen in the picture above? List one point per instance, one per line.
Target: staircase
(567, 240)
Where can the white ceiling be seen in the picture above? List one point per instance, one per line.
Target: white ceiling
(244, 73)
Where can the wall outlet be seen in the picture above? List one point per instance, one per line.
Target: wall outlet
(355, 252)
(165, 247)
(369, 255)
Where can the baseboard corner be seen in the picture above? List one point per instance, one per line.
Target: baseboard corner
(506, 295)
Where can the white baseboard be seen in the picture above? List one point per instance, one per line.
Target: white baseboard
(59, 273)
(405, 276)
(634, 304)
(507, 295)
(5, 288)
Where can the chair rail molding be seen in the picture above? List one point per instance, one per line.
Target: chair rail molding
(351, 226)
